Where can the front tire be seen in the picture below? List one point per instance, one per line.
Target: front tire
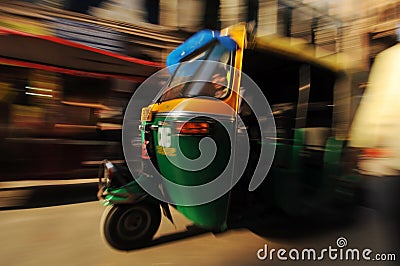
(127, 227)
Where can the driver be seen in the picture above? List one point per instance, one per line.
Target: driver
(218, 81)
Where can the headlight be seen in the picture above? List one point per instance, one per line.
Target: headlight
(106, 173)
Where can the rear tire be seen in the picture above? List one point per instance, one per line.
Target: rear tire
(127, 227)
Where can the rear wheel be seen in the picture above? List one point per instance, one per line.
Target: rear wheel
(126, 227)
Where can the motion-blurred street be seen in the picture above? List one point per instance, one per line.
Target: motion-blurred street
(68, 234)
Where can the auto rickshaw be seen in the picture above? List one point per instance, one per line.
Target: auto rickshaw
(298, 121)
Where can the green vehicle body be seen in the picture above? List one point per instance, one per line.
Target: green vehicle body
(212, 215)
(307, 172)
(298, 182)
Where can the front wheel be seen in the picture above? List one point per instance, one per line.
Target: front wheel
(126, 227)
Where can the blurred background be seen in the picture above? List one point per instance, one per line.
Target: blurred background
(68, 68)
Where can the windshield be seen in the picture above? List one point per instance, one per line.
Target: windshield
(200, 75)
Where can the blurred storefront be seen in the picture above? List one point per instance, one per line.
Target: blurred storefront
(65, 79)
(62, 57)
(384, 23)
(358, 28)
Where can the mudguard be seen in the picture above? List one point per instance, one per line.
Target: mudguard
(131, 193)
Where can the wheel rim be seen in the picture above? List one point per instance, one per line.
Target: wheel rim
(133, 223)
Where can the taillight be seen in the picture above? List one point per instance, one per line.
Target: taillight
(376, 162)
(145, 154)
(193, 128)
(376, 153)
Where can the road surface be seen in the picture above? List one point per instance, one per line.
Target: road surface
(65, 232)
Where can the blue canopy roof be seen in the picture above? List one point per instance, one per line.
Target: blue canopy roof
(197, 41)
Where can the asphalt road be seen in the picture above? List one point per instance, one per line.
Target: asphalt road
(56, 228)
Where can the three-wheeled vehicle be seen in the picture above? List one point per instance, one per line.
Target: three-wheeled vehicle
(309, 113)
